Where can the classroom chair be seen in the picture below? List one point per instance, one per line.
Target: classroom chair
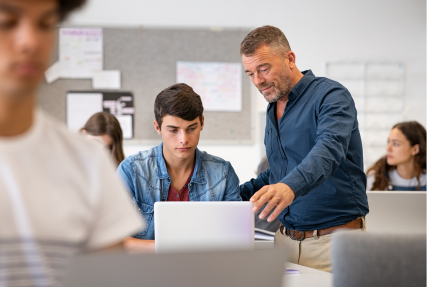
(379, 260)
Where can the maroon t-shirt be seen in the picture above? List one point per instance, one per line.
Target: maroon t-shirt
(182, 195)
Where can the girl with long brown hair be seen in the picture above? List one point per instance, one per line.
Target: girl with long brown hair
(105, 128)
(404, 166)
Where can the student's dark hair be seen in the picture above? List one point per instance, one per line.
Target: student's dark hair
(265, 35)
(178, 100)
(102, 123)
(66, 6)
(415, 133)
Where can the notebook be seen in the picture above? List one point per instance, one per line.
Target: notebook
(261, 234)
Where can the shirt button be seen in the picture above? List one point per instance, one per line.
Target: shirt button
(169, 180)
(189, 185)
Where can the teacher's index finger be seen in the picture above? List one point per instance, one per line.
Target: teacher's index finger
(256, 197)
(258, 194)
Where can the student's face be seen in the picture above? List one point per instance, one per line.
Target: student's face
(180, 137)
(270, 72)
(399, 150)
(27, 35)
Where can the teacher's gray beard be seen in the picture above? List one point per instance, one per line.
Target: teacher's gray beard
(281, 94)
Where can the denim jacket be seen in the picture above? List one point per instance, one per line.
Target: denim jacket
(147, 179)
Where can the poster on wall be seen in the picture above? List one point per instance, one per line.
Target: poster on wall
(80, 51)
(81, 105)
(81, 57)
(219, 84)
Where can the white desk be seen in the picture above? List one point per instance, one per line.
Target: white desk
(263, 245)
(308, 277)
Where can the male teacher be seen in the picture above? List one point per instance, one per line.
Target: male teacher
(315, 181)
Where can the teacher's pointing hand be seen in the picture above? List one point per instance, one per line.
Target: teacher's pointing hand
(278, 195)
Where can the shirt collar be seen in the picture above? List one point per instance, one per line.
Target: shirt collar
(296, 91)
(299, 88)
(162, 171)
(302, 84)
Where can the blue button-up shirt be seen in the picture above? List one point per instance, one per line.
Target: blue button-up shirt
(315, 148)
(147, 179)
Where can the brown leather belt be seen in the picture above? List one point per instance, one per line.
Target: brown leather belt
(301, 235)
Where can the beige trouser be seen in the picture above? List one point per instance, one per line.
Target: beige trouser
(314, 252)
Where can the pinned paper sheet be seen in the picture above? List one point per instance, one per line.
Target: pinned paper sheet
(54, 72)
(107, 79)
(125, 121)
(80, 53)
(80, 107)
(219, 84)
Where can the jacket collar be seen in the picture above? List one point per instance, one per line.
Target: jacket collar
(162, 171)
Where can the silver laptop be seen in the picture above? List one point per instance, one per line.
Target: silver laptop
(261, 268)
(203, 226)
(396, 212)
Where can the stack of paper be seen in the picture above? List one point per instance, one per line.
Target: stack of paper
(261, 234)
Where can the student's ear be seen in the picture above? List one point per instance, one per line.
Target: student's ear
(415, 149)
(157, 127)
(203, 122)
(83, 131)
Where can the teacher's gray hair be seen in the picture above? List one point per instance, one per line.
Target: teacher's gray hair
(268, 35)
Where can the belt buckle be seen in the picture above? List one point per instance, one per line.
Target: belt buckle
(300, 239)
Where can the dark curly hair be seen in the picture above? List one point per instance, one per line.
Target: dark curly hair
(66, 6)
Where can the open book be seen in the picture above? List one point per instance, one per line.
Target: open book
(261, 234)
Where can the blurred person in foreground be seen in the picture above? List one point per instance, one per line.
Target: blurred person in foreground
(104, 128)
(58, 191)
(315, 184)
(404, 166)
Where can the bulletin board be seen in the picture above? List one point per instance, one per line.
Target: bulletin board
(147, 59)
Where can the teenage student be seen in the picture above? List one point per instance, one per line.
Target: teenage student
(315, 184)
(104, 128)
(175, 170)
(59, 194)
(404, 166)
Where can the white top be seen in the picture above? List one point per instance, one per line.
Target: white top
(59, 195)
(397, 180)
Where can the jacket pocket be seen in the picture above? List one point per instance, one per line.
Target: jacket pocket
(147, 212)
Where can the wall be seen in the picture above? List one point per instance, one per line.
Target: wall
(318, 31)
